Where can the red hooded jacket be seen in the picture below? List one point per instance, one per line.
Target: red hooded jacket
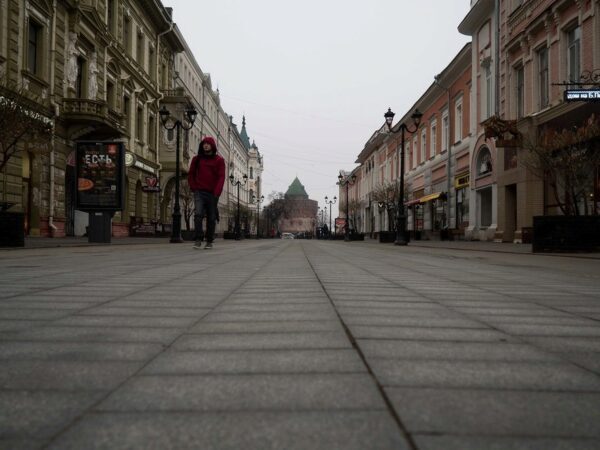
(207, 172)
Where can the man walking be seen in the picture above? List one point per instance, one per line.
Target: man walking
(206, 178)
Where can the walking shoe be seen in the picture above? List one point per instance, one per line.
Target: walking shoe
(198, 244)
(208, 246)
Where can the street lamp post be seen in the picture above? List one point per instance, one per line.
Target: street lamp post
(330, 202)
(402, 128)
(258, 201)
(437, 79)
(175, 124)
(238, 183)
(346, 181)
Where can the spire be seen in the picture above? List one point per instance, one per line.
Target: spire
(244, 134)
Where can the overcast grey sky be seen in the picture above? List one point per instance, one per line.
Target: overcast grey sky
(314, 77)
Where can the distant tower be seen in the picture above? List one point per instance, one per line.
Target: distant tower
(301, 212)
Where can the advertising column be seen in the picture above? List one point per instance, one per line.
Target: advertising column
(100, 183)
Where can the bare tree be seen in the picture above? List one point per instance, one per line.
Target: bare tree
(187, 203)
(21, 119)
(569, 161)
(386, 196)
(353, 211)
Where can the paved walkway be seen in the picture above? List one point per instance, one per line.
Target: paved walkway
(282, 344)
(500, 247)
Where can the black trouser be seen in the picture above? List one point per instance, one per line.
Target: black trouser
(205, 205)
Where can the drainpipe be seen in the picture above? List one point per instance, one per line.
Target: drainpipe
(56, 113)
(497, 62)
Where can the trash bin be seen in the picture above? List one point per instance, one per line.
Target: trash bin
(100, 229)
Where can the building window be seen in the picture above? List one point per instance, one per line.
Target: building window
(484, 162)
(140, 124)
(139, 50)
(520, 91)
(151, 131)
(127, 34)
(152, 63)
(573, 54)
(251, 173)
(423, 145)
(488, 91)
(126, 111)
(458, 119)
(34, 47)
(80, 82)
(433, 139)
(415, 152)
(111, 14)
(163, 77)
(542, 59)
(445, 131)
(110, 94)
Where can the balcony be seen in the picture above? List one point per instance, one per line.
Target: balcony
(80, 111)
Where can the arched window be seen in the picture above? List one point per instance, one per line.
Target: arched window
(484, 161)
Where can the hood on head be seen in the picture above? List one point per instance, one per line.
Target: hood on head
(208, 140)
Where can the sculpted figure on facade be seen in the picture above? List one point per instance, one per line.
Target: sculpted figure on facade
(93, 84)
(72, 53)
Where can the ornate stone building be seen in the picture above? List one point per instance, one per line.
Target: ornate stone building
(97, 68)
(100, 70)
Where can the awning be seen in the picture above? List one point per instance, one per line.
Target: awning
(430, 197)
(411, 202)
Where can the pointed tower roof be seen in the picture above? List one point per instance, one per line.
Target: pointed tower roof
(244, 135)
(296, 190)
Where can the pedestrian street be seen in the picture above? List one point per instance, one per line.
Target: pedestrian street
(298, 344)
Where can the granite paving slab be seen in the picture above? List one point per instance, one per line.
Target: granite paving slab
(503, 443)
(262, 341)
(434, 334)
(77, 351)
(498, 412)
(41, 414)
(65, 375)
(81, 320)
(547, 376)
(315, 430)
(270, 326)
(256, 361)
(98, 334)
(246, 392)
(454, 351)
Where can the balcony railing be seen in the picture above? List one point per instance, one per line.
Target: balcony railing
(85, 107)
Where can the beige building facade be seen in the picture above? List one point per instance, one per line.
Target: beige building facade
(102, 70)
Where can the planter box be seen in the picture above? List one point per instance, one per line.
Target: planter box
(357, 236)
(188, 235)
(566, 234)
(386, 237)
(12, 230)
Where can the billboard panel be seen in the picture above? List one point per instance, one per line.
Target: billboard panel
(100, 176)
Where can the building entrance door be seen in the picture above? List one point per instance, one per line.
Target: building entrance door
(510, 211)
(70, 200)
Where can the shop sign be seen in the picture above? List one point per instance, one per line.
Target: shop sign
(576, 95)
(100, 176)
(140, 165)
(461, 181)
(151, 185)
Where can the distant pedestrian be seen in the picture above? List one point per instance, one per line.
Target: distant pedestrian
(206, 178)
